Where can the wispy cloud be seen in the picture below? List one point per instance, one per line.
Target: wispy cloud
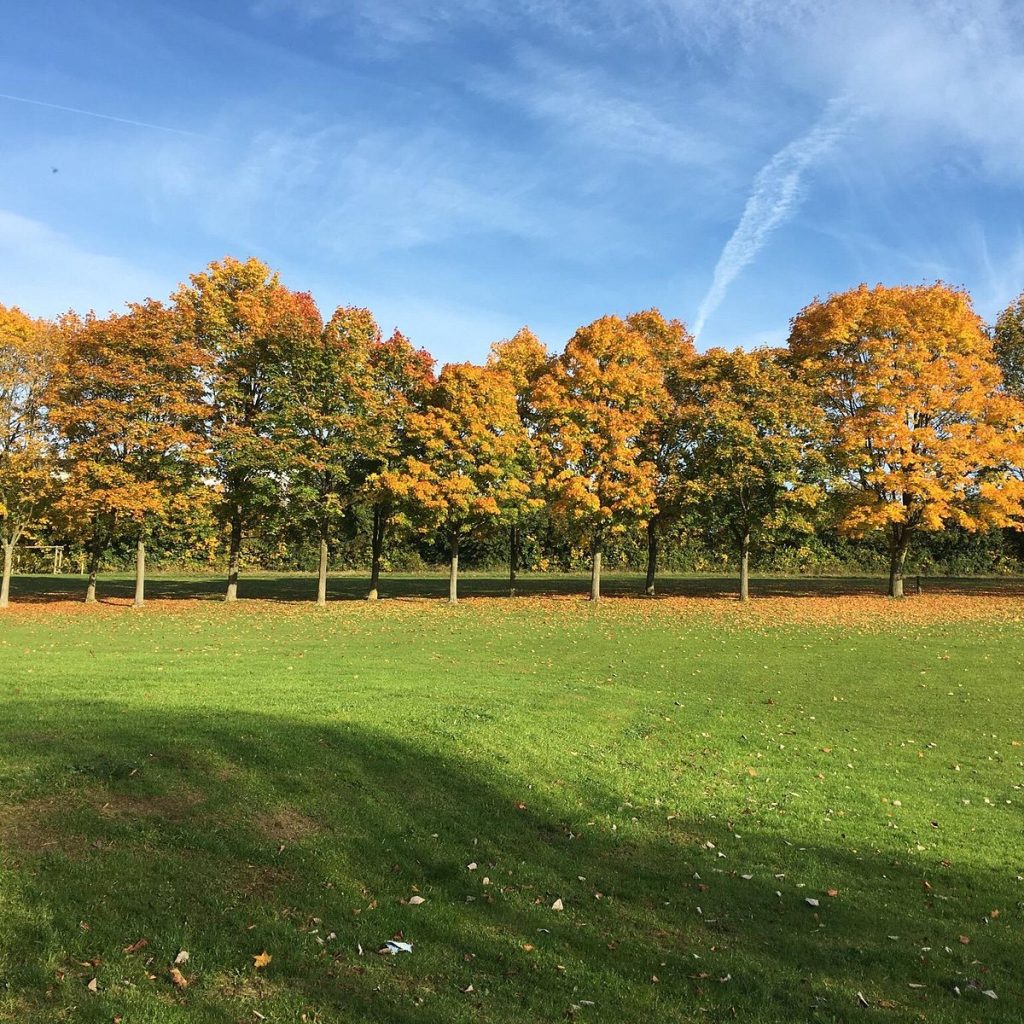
(95, 114)
(599, 112)
(776, 192)
(34, 255)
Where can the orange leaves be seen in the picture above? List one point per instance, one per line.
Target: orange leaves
(127, 401)
(594, 403)
(919, 428)
(471, 442)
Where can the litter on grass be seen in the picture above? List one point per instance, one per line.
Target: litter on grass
(393, 947)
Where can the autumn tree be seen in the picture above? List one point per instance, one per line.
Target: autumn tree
(921, 431)
(524, 358)
(596, 401)
(26, 472)
(321, 411)
(400, 380)
(753, 462)
(664, 438)
(247, 322)
(465, 474)
(1008, 338)
(126, 400)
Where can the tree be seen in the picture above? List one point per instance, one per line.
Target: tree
(664, 439)
(921, 430)
(468, 442)
(596, 401)
(27, 349)
(524, 358)
(321, 415)
(753, 462)
(1008, 338)
(127, 403)
(400, 382)
(247, 321)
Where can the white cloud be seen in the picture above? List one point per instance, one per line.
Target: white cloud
(40, 266)
(776, 192)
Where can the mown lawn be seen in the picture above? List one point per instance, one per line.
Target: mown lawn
(683, 775)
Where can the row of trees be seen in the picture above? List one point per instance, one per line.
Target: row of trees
(891, 410)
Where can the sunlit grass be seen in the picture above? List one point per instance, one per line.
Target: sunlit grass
(273, 777)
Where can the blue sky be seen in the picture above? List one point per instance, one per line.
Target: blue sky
(466, 167)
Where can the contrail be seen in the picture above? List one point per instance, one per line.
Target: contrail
(776, 191)
(93, 113)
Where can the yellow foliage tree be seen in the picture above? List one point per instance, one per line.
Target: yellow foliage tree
(26, 359)
(921, 432)
(466, 472)
(596, 402)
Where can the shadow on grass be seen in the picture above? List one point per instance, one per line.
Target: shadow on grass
(297, 587)
(230, 835)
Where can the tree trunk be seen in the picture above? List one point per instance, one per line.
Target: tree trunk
(90, 590)
(453, 579)
(513, 559)
(376, 549)
(595, 575)
(745, 566)
(5, 585)
(140, 573)
(898, 545)
(234, 556)
(652, 557)
(321, 576)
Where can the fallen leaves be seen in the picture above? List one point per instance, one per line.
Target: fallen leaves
(260, 960)
(135, 946)
(177, 978)
(557, 905)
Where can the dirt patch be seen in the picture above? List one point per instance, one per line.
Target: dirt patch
(37, 826)
(285, 825)
(177, 806)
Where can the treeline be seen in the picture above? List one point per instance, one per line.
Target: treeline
(233, 414)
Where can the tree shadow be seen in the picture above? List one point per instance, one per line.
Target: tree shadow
(230, 834)
(119, 589)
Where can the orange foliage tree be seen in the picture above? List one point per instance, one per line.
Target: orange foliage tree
(596, 402)
(524, 358)
(753, 462)
(247, 321)
(921, 431)
(467, 471)
(664, 438)
(26, 472)
(126, 400)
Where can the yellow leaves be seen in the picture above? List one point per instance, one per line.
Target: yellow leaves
(261, 960)
(919, 427)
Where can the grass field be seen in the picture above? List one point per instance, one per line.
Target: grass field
(684, 775)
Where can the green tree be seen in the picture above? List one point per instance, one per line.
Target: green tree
(664, 438)
(1008, 338)
(524, 358)
(321, 416)
(400, 381)
(247, 322)
(753, 462)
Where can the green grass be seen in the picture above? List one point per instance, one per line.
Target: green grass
(232, 780)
